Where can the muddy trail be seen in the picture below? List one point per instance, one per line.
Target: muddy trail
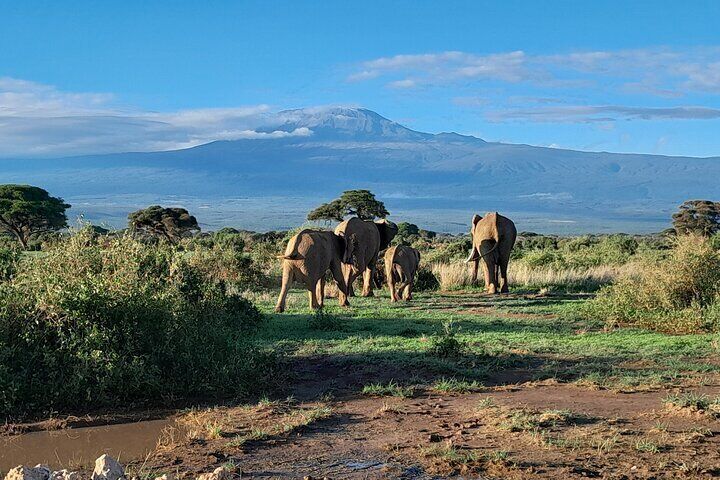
(412, 424)
(527, 430)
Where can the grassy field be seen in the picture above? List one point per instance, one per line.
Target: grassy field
(460, 383)
(602, 361)
(536, 336)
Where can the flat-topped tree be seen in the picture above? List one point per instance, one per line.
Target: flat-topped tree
(697, 216)
(357, 203)
(171, 224)
(26, 210)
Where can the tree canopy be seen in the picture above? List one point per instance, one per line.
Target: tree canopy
(359, 203)
(26, 210)
(170, 224)
(697, 216)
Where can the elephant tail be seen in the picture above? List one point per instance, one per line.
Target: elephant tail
(292, 256)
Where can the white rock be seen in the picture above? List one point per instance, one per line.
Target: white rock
(166, 476)
(107, 468)
(40, 472)
(64, 475)
(219, 473)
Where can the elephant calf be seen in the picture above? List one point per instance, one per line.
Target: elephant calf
(401, 264)
(307, 258)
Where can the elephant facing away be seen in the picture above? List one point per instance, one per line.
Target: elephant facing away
(401, 264)
(493, 238)
(308, 256)
(364, 240)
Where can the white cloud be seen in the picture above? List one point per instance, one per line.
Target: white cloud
(657, 71)
(602, 114)
(406, 83)
(41, 120)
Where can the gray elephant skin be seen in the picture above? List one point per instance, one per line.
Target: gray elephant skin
(364, 240)
(307, 258)
(401, 264)
(493, 238)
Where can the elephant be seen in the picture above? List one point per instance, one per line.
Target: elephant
(364, 240)
(307, 258)
(401, 264)
(493, 238)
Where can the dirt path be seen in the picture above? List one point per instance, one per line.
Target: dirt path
(529, 431)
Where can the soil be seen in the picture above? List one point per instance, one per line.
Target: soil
(434, 435)
(511, 428)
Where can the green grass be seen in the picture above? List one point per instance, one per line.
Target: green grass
(453, 385)
(695, 400)
(391, 389)
(546, 336)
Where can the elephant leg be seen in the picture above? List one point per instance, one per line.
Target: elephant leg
(474, 277)
(409, 288)
(350, 289)
(504, 284)
(490, 277)
(391, 288)
(286, 281)
(338, 271)
(367, 282)
(320, 292)
(312, 294)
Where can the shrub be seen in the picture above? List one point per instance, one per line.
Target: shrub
(444, 344)
(677, 294)
(426, 280)
(9, 259)
(321, 320)
(95, 322)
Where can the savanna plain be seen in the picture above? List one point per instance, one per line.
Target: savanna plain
(602, 361)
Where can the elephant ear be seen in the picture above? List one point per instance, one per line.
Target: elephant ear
(387, 230)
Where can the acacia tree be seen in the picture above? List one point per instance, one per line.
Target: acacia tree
(697, 216)
(359, 203)
(26, 210)
(169, 223)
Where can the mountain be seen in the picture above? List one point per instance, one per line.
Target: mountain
(308, 156)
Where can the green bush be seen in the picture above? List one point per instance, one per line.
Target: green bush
(95, 322)
(676, 294)
(425, 280)
(9, 259)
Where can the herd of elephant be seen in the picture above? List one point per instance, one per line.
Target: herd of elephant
(353, 248)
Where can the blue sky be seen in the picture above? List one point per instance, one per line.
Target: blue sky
(640, 76)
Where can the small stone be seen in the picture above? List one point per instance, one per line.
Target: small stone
(64, 475)
(166, 476)
(40, 472)
(434, 438)
(107, 468)
(219, 473)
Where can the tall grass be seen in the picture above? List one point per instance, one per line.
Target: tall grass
(103, 321)
(458, 275)
(676, 294)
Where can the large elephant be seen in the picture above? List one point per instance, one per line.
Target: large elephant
(364, 240)
(401, 264)
(493, 238)
(308, 256)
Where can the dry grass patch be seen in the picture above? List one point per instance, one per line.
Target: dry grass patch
(458, 275)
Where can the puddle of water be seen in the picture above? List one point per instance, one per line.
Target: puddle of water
(79, 447)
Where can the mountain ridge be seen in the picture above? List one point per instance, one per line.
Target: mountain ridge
(345, 148)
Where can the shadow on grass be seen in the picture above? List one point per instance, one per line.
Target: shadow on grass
(346, 374)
